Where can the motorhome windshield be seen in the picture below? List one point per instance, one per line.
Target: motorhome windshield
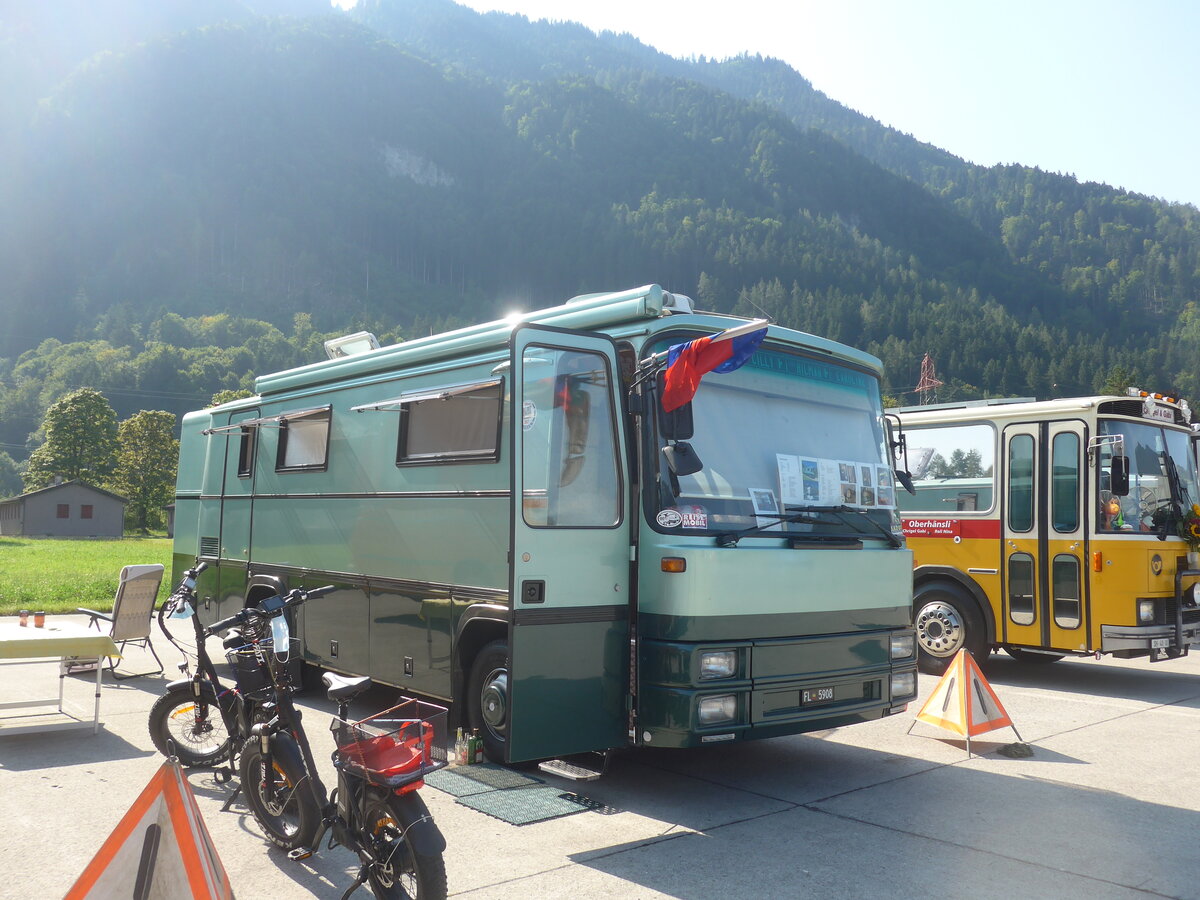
(1147, 448)
(783, 434)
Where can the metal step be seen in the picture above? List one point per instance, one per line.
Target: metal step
(570, 771)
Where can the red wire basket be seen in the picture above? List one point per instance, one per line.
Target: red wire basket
(394, 747)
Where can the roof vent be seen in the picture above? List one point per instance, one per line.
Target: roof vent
(351, 344)
(678, 303)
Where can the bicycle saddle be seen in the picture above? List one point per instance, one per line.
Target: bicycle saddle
(339, 687)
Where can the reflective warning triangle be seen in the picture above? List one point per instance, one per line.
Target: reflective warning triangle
(963, 701)
(160, 850)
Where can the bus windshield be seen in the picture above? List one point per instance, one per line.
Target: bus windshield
(1148, 447)
(785, 437)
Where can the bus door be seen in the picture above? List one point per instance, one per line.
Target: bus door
(570, 556)
(1043, 532)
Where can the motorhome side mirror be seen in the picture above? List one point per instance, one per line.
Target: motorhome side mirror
(675, 425)
(906, 481)
(682, 459)
(1118, 476)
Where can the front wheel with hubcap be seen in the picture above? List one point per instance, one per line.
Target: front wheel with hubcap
(946, 620)
(487, 698)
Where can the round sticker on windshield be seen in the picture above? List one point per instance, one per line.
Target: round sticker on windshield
(669, 518)
(528, 414)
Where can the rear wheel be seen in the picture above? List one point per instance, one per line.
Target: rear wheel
(287, 812)
(947, 621)
(190, 728)
(487, 698)
(400, 872)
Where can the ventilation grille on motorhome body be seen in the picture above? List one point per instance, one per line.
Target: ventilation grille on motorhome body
(210, 547)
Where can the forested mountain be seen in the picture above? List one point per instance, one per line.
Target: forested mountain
(181, 178)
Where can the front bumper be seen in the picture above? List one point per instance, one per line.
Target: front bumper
(1145, 638)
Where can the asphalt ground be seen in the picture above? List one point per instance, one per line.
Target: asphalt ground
(1106, 806)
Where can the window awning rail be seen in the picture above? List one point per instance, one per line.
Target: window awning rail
(279, 420)
(396, 403)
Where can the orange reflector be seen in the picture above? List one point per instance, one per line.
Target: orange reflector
(1097, 561)
(674, 564)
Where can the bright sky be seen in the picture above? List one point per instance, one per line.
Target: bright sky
(1105, 90)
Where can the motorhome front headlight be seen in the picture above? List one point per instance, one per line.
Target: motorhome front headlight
(903, 644)
(1146, 611)
(718, 664)
(904, 684)
(717, 710)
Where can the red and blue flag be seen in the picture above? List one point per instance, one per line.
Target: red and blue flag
(722, 353)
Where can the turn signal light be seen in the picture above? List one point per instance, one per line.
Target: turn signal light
(674, 564)
(1097, 561)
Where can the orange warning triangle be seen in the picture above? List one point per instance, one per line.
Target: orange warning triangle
(963, 701)
(160, 850)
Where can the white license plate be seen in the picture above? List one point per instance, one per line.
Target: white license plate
(817, 695)
(1160, 643)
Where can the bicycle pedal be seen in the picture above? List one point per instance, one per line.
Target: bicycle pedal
(300, 853)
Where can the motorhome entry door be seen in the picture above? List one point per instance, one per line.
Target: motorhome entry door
(570, 569)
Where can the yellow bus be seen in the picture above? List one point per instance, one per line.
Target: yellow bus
(1051, 528)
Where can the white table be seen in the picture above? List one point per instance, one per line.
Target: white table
(63, 641)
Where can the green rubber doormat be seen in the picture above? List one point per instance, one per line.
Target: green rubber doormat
(524, 805)
(464, 780)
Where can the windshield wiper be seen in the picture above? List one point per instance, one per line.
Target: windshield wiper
(802, 513)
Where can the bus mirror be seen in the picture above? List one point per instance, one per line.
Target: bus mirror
(906, 481)
(1118, 476)
(682, 459)
(675, 425)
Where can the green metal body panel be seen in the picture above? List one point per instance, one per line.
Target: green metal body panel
(414, 551)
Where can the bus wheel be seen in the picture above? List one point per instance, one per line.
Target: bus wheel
(947, 621)
(1031, 656)
(487, 698)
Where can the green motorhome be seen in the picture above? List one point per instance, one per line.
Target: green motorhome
(515, 526)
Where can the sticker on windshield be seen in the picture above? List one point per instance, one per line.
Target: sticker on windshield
(694, 517)
(669, 518)
(528, 414)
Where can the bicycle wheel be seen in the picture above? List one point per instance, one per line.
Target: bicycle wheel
(399, 872)
(189, 727)
(290, 818)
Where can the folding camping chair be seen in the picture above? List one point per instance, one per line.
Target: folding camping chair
(133, 610)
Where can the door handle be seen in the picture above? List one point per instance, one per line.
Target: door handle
(533, 592)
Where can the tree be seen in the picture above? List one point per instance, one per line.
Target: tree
(10, 476)
(146, 464)
(81, 442)
(228, 396)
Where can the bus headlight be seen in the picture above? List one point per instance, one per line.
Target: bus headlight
(717, 710)
(718, 664)
(1146, 611)
(904, 684)
(903, 644)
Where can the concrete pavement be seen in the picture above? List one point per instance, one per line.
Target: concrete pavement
(1108, 806)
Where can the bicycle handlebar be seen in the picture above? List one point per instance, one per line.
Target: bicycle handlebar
(291, 598)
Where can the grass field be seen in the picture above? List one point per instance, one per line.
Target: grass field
(57, 575)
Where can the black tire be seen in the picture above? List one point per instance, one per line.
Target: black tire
(192, 729)
(487, 698)
(291, 819)
(947, 620)
(402, 873)
(1029, 656)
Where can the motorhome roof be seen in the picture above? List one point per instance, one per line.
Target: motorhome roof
(590, 312)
